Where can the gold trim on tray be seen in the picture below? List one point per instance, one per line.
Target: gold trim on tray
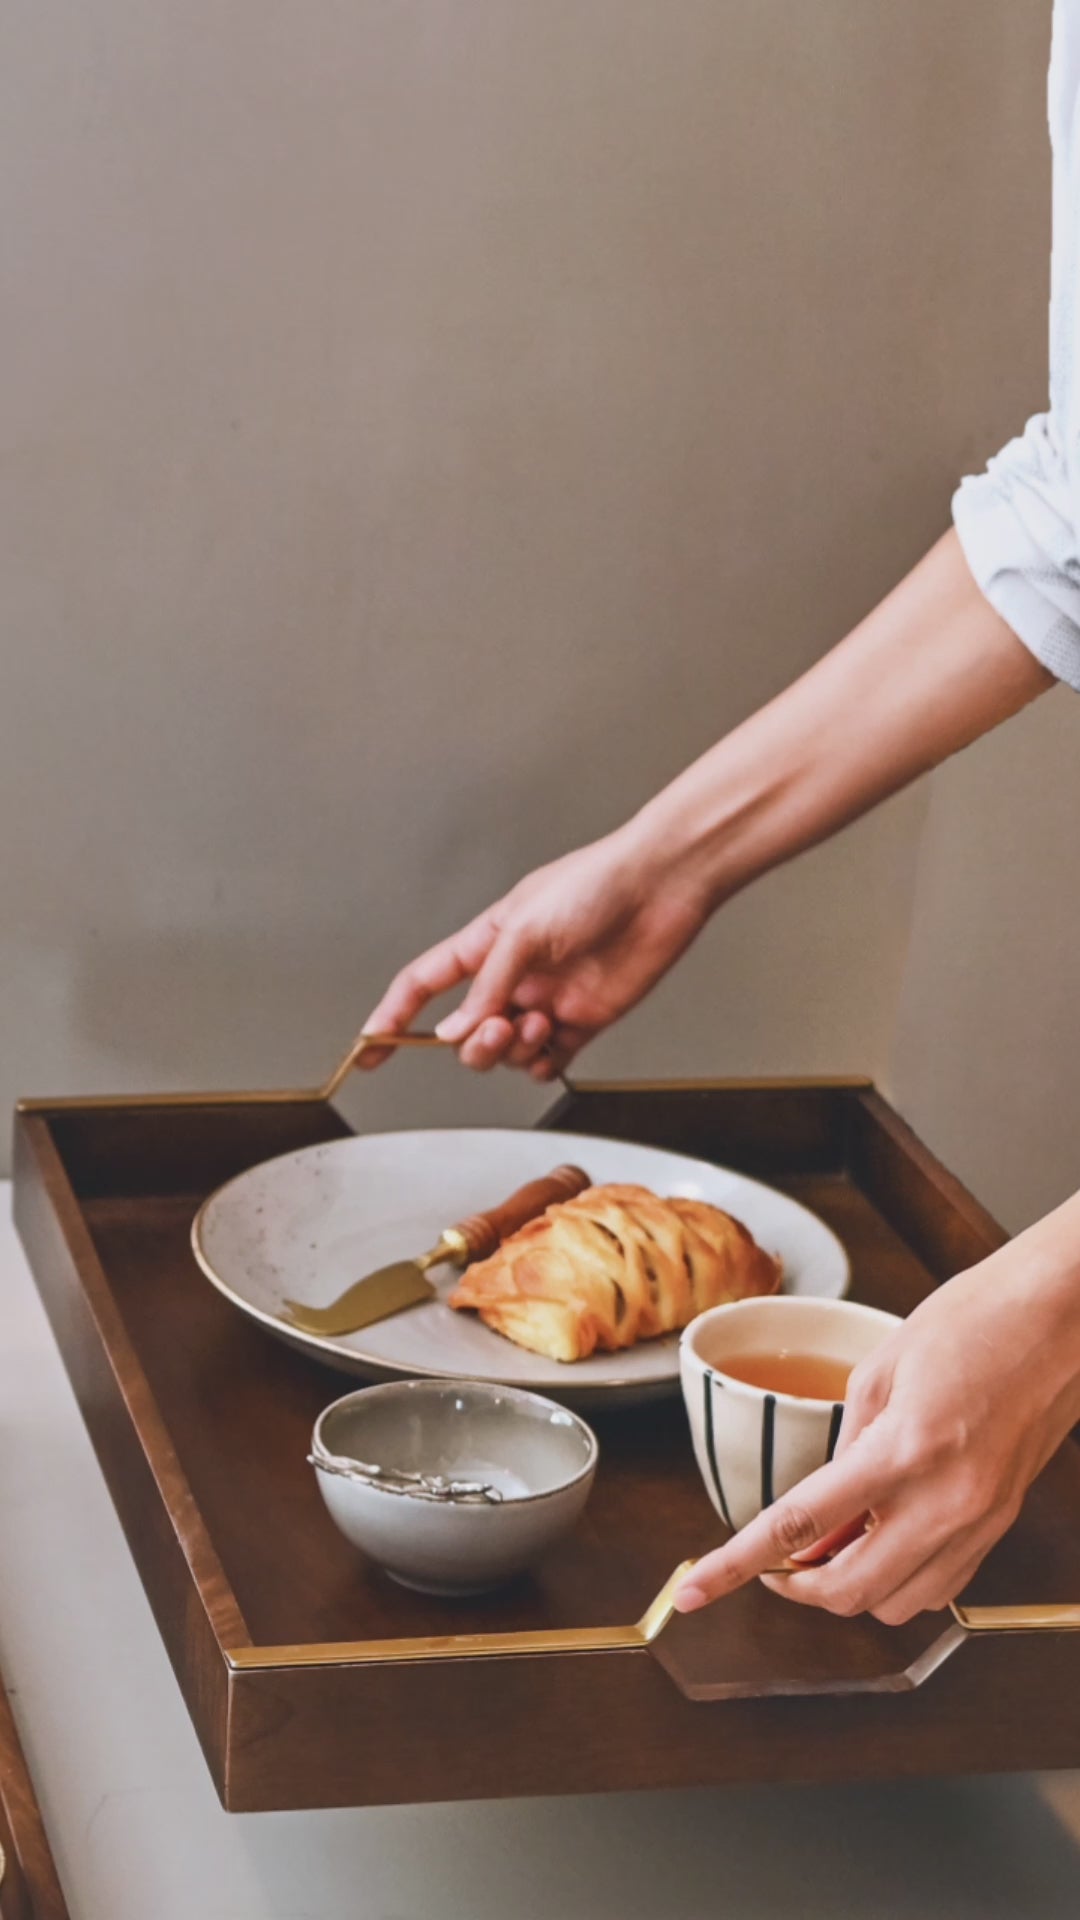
(1056, 1618)
(1051, 1617)
(309, 1096)
(471, 1646)
(729, 1083)
(273, 1096)
(119, 1102)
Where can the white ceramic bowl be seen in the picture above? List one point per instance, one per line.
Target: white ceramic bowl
(540, 1457)
(752, 1445)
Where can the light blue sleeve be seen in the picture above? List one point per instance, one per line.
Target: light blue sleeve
(1016, 525)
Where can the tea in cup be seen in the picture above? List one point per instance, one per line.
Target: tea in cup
(764, 1383)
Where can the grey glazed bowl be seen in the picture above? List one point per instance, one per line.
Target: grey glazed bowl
(540, 1457)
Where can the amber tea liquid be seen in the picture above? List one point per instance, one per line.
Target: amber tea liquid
(809, 1376)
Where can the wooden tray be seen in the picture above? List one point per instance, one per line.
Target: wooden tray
(29, 1888)
(313, 1681)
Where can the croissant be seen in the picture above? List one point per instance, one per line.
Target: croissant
(613, 1266)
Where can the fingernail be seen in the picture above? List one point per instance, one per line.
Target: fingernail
(455, 1026)
(689, 1599)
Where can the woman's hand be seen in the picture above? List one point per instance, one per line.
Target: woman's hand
(945, 1427)
(581, 941)
(572, 947)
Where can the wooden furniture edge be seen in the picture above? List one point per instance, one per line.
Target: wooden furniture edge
(939, 1217)
(29, 1886)
(45, 1104)
(177, 1562)
(785, 1740)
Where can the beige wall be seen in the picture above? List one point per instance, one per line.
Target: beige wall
(427, 425)
(987, 1054)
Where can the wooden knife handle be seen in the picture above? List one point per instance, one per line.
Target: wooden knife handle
(483, 1232)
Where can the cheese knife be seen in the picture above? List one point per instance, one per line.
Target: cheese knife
(405, 1283)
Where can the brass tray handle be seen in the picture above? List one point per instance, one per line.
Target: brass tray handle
(1056, 1617)
(360, 1045)
(365, 1040)
(1033, 1617)
(640, 1636)
(258, 1097)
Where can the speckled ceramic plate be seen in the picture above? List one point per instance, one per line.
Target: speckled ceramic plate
(305, 1226)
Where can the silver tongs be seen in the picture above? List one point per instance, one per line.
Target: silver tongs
(421, 1486)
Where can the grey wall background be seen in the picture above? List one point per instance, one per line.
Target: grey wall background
(427, 426)
(987, 1053)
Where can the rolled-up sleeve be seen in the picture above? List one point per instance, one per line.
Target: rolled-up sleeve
(1015, 524)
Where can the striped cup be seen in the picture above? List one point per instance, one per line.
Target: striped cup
(753, 1444)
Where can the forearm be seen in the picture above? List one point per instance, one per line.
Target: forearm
(1043, 1263)
(928, 671)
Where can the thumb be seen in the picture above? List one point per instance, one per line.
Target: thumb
(867, 1396)
(507, 961)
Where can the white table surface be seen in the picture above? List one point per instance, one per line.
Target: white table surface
(139, 1834)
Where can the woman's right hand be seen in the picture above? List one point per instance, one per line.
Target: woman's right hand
(574, 946)
(579, 942)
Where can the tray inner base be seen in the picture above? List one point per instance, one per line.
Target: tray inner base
(239, 1407)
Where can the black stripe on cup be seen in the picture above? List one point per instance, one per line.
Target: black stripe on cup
(710, 1448)
(834, 1428)
(768, 1427)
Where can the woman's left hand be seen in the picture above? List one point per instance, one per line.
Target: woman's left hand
(945, 1427)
